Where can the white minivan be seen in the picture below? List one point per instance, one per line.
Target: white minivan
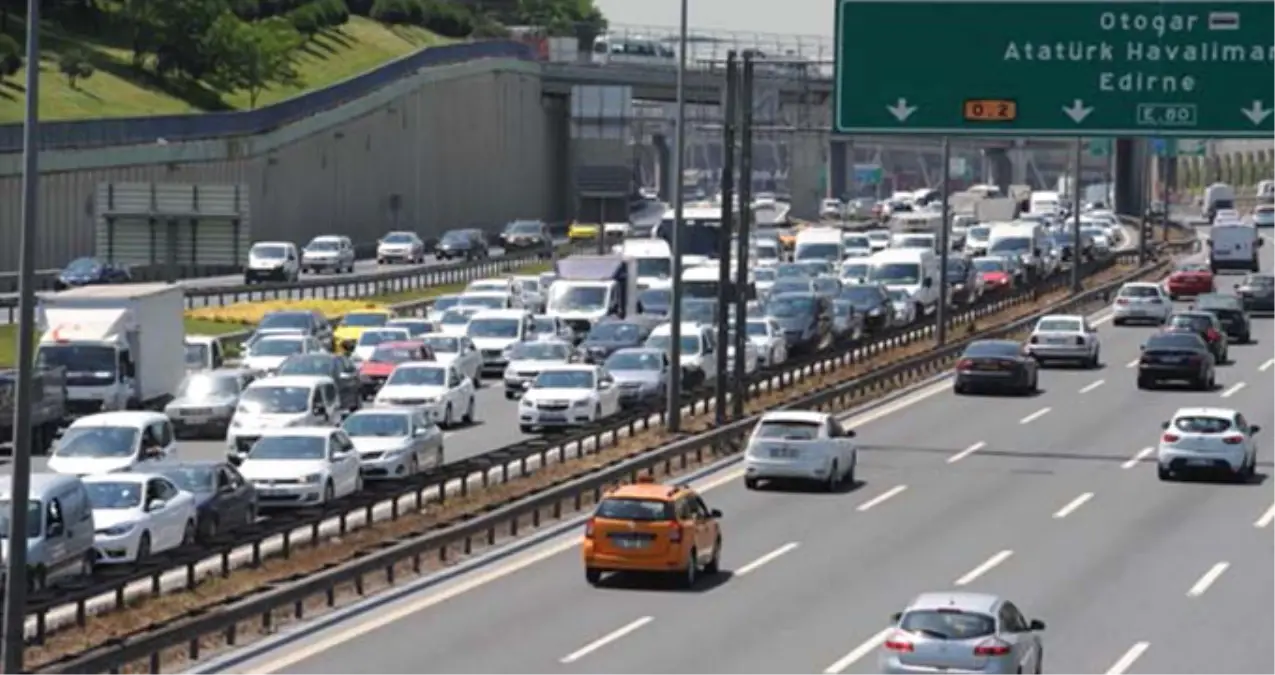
(281, 401)
(912, 270)
(1029, 242)
(1233, 246)
(113, 441)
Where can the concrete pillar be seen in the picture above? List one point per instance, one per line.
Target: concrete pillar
(841, 168)
(1018, 156)
(806, 157)
(999, 170)
(663, 166)
(1131, 166)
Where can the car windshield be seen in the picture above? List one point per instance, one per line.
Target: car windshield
(365, 319)
(816, 267)
(789, 430)
(957, 270)
(540, 351)
(528, 285)
(821, 251)
(1060, 326)
(455, 237)
(487, 286)
(523, 227)
(276, 399)
(855, 270)
(35, 516)
(268, 251)
(634, 361)
(856, 242)
(385, 425)
(484, 301)
(826, 285)
(371, 338)
(494, 328)
(1011, 245)
(1192, 322)
(544, 325)
(276, 347)
(655, 267)
(990, 264)
(1139, 292)
(290, 448)
(399, 238)
(978, 234)
(786, 307)
(764, 274)
(757, 329)
(880, 236)
(414, 327)
(1202, 424)
(191, 478)
(445, 302)
(418, 376)
(948, 624)
(690, 343)
(394, 354)
(113, 442)
(1170, 341)
(767, 251)
(307, 364)
(564, 379)
(569, 297)
(441, 344)
(896, 273)
(792, 285)
(655, 297)
(616, 508)
(204, 386)
(83, 266)
(196, 353)
(916, 242)
(286, 321)
(992, 349)
(115, 494)
(791, 270)
(322, 245)
(615, 331)
(457, 317)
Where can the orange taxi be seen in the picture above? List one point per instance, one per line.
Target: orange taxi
(651, 527)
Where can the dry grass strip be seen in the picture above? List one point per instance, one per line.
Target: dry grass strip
(151, 612)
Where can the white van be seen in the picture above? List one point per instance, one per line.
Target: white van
(1217, 197)
(654, 261)
(1029, 242)
(1233, 246)
(912, 270)
(818, 243)
(59, 528)
(1044, 203)
(281, 401)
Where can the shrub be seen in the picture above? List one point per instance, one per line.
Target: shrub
(10, 56)
(307, 19)
(398, 11)
(334, 12)
(447, 19)
(75, 66)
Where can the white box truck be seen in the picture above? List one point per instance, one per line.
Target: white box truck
(96, 334)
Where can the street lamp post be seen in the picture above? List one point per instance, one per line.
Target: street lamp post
(674, 398)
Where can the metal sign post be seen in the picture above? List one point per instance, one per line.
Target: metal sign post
(724, 234)
(745, 232)
(945, 247)
(674, 398)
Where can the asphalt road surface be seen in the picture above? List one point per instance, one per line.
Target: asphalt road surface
(1049, 500)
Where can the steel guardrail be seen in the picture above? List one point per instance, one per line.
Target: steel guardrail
(189, 632)
(512, 459)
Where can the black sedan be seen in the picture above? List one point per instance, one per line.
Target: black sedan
(962, 281)
(90, 272)
(225, 502)
(462, 244)
(995, 365)
(1176, 356)
(1257, 292)
(872, 301)
(1230, 313)
(1207, 326)
(610, 335)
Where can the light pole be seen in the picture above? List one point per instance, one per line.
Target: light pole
(674, 416)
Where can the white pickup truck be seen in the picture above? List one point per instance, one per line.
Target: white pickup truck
(800, 445)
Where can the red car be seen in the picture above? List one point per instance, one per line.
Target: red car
(996, 274)
(376, 369)
(1189, 279)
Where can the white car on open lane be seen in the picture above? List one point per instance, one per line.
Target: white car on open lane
(1064, 337)
(302, 467)
(456, 350)
(1207, 439)
(768, 338)
(568, 395)
(438, 388)
(800, 445)
(136, 515)
(394, 442)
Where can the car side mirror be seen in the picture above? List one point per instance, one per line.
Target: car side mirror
(715, 513)
(896, 617)
(1255, 428)
(1037, 624)
(156, 505)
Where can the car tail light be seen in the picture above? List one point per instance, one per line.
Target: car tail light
(898, 644)
(588, 529)
(1121, 301)
(964, 364)
(675, 532)
(1170, 438)
(991, 648)
(1233, 439)
(1212, 335)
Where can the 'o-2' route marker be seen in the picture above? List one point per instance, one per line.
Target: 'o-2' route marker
(1167, 68)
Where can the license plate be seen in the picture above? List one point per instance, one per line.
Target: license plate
(630, 543)
(1199, 462)
(1058, 341)
(548, 417)
(271, 492)
(783, 452)
(194, 419)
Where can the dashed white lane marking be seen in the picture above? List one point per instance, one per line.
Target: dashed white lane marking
(1133, 363)
(752, 566)
(877, 500)
(606, 640)
(984, 568)
(1266, 366)
(1235, 388)
(1073, 505)
(1133, 461)
(1207, 579)
(859, 652)
(1265, 518)
(966, 452)
(1091, 386)
(1123, 663)
(1035, 416)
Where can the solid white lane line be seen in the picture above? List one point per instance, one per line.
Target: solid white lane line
(1035, 416)
(881, 497)
(1133, 461)
(985, 567)
(1266, 518)
(966, 452)
(1091, 386)
(1235, 388)
(1135, 652)
(1133, 363)
(606, 640)
(765, 559)
(1266, 366)
(1207, 580)
(859, 652)
(1073, 505)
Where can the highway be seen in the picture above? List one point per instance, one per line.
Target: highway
(1050, 501)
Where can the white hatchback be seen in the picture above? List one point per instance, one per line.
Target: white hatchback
(1207, 439)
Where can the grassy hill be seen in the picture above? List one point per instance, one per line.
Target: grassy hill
(116, 89)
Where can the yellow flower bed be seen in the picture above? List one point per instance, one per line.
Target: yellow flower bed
(249, 313)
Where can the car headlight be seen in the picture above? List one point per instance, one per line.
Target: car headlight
(583, 403)
(527, 403)
(875, 311)
(312, 478)
(118, 530)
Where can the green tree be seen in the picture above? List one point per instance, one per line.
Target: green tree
(75, 66)
(10, 57)
(256, 55)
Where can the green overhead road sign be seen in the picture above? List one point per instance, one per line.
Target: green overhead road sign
(1180, 68)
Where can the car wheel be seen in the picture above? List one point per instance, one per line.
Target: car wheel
(210, 527)
(750, 483)
(691, 574)
(469, 411)
(592, 576)
(250, 516)
(88, 563)
(715, 565)
(526, 428)
(1163, 472)
(1095, 360)
(958, 389)
(509, 396)
(329, 493)
(1117, 322)
(143, 547)
(597, 413)
(848, 479)
(447, 417)
(189, 533)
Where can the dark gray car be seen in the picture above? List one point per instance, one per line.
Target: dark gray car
(641, 374)
(463, 244)
(806, 319)
(336, 366)
(224, 501)
(205, 401)
(610, 335)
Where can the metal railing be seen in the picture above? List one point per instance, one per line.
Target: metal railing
(191, 633)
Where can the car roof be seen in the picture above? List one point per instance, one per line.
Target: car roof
(574, 367)
(1205, 411)
(974, 602)
(795, 416)
(499, 313)
(120, 418)
(291, 381)
(1140, 284)
(120, 477)
(432, 365)
(280, 336)
(652, 491)
(1070, 317)
(401, 343)
(405, 411)
(309, 432)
